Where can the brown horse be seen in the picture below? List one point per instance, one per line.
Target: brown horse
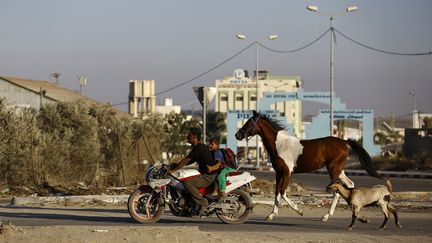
(289, 155)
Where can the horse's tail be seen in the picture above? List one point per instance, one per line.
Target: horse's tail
(364, 158)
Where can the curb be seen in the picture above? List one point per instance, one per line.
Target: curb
(68, 200)
(402, 199)
(397, 174)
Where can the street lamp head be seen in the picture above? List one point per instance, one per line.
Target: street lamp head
(312, 8)
(412, 93)
(351, 9)
(272, 37)
(241, 37)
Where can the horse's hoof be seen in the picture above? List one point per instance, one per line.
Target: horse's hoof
(324, 218)
(300, 212)
(349, 228)
(399, 226)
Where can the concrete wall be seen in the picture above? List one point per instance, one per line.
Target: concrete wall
(21, 97)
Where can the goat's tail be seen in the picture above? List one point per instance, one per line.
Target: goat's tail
(388, 184)
(364, 158)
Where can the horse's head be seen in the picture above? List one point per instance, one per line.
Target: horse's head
(250, 128)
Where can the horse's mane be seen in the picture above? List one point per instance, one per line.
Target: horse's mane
(273, 122)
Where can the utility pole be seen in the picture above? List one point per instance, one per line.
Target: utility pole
(83, 82)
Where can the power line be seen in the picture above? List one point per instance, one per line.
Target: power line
(284, 52)
(298, 49)
(198, 76)
(204, 73)
(384, 51)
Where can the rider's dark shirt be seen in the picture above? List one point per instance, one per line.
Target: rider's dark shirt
(201, 154)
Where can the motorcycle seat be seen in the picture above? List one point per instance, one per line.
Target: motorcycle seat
(234, 173)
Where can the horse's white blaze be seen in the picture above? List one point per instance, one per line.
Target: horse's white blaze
(288, 148)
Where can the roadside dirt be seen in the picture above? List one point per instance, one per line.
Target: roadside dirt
(266, 187)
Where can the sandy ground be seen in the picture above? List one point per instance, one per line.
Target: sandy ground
(183, 234)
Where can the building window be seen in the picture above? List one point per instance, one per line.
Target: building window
(253, 98)
(224, 98)
(239, 98)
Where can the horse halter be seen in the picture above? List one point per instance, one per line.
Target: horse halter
(254, 127)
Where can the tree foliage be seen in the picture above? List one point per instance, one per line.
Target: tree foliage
(216, 125)
(65, 143)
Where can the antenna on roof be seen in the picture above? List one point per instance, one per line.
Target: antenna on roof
(56, 76)
(83, 82)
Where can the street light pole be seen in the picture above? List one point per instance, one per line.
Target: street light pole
(331, 74)
(348, 10)
(243, 37)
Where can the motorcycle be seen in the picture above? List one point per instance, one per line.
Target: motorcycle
(147, 203)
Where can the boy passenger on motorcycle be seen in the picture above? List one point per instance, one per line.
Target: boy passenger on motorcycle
(202, 155)
(220, 166)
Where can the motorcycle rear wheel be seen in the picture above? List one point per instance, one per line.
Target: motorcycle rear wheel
(140, 212)
(244, 207)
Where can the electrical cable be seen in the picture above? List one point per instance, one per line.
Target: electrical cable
(298, 49)
(384, 51)
(288, 51)
(198, 76)
(204, 73)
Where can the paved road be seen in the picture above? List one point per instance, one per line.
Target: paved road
(317, 182)
(414, 222)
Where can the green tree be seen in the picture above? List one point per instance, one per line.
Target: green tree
(427, 122)
(216, 125)
(72, 146)
(20, 147)
(176, 129)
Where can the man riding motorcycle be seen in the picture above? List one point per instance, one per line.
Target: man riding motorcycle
(202, 155)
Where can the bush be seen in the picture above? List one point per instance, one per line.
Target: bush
(72, 145)
(20, 150)
(65, 143)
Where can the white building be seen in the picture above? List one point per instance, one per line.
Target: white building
(168, 107)
(142, 99)
(238, 92)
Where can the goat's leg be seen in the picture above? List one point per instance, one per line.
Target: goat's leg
(355, 214)
(274, 212)
(332, 208)
(363, 220)
(386, 215)
(393, 210)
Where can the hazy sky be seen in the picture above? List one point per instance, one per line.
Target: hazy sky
(114, 41)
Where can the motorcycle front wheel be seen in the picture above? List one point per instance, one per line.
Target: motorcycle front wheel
(145, 206)
(242, 206)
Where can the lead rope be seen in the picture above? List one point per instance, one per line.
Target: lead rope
(244, 158)
(255, 122)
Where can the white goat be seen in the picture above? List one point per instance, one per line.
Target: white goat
(357, 198)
